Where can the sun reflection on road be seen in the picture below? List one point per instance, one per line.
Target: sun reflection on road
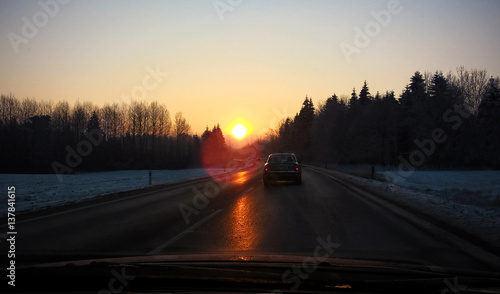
(243, 231)
(241, 178)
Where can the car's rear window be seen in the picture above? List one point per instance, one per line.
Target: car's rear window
(281, 158)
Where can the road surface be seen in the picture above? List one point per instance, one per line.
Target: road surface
(243, 215)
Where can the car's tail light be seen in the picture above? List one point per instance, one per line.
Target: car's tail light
(297, 169)
(265, 169)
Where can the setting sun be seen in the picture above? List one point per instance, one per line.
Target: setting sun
(239, 131)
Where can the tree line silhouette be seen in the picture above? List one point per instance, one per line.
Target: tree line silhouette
(46, 137)
(437, 121)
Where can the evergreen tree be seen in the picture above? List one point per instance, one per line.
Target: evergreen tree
(417, 85)
(439, 86)
(205, 134)
(93, 123)
(364, 95)
(306, 113)
(213, 147)
(390, 97)
(302, 124)
(353, 102)
(489, 123)
(218, 138)
(489, 109)
(415, 91)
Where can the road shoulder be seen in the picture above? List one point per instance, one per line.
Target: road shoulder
(425, 217)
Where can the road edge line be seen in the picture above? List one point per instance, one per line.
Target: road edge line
(476, 251)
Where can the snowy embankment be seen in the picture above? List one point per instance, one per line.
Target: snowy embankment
(34, 192)
(467, 200)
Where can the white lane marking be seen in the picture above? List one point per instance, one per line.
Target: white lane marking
(192, 228)
(183, 233)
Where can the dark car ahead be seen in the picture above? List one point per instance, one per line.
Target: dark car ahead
(282, 167)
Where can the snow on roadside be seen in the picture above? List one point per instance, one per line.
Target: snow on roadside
(469, 200)
(486, 183)
(37, 191)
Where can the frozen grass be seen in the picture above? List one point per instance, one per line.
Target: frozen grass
(35, 192)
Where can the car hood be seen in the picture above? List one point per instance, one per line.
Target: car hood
(251, 272)
(241, 258)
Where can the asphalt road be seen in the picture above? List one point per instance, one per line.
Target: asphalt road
(242, 215)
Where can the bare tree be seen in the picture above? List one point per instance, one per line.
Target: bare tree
(181, 125)
(160, 123)
(45, 108)
(9, 108)
(29, 108)
(154, 118)
(113, 120)
(79, 118)
(123, 124)
(108, 122)
(472, 86)
(60, 115)
(165, 122)
(138, 114)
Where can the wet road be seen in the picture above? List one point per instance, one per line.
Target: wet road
(238, 214)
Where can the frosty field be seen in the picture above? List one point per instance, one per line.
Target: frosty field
(34, 192)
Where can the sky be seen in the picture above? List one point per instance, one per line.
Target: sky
(229, 61)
